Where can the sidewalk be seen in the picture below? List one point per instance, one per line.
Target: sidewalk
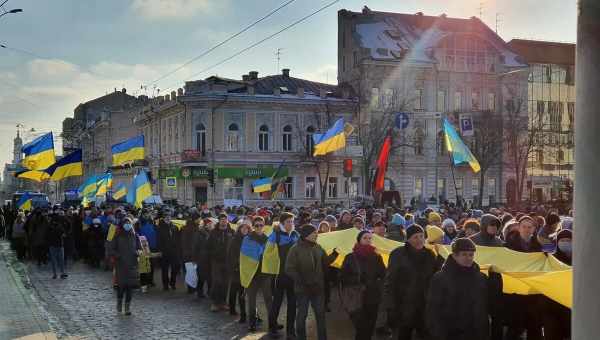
(20, 317)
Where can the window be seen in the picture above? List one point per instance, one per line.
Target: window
(310, 143)
(375, 98)
(287, 138)
(475, 187)
(457, 101)
(475, 100)
(176, 126)
(355, 58)
(233, 188)
(310, 187)
(441, 101)
(459, 188)
(491, 187)
(441, 189)
(388, 95)
(352, 186)
(263, 138)
(288, 186)
(441, 143)
(233, 138)
(418, 99)
(491, 102)
(201, 138)
(540, 157)
(419, 140)
(419, 188)
(571, 113)
(561, 155)
(332, 187)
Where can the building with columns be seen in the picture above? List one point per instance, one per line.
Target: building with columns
(245, 129)
(429, 67)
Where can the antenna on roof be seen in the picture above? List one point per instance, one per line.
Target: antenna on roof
(278, 55)
(480, 10)
(498, 20)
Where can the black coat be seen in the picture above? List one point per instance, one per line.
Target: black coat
(218, 246)
(407, 280)
(188, 239)
(457, 303)
(513, 241)
(168, 239)
(367, 271)
(233, 256)
(200, 251)
(123, 248)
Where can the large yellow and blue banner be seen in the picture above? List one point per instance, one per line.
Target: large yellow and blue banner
(39, 153)
(128, 151)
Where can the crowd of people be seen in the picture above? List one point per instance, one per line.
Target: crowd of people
(418, 292)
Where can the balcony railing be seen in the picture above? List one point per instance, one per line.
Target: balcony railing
(193, 156)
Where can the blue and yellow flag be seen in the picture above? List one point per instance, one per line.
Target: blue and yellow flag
(89, 187)
(69, 165)
(271, 261)
(262, 185)
(142, 188)
(104, 184)
(39, 153)
(120, 191)
(460, 152)
(34, 175)
(128, 151)
(24, 203)
(250, 255)
(332, 140)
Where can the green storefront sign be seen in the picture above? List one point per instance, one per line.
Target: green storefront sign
(222, 172)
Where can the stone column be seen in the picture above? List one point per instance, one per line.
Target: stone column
(586, 300)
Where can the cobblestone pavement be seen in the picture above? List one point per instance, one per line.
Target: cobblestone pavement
(83, 307)
(20, 315)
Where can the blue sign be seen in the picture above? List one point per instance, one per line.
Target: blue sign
(466, 125)
(402, 120)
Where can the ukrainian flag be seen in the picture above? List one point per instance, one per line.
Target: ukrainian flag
(271, 261)
(250, 255)
(262, 185)
(89, 187)
(69, 165)
(39, 153)
(120, 191)
(460, 152)
(25, 202)
(334, 139)
(128, 151)
(142, 187)
(34, 175)
(104, 183)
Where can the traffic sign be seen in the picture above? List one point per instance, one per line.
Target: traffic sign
(171, 182)
(402, 120)
(466, 125)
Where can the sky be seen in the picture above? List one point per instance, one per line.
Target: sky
(61, 53)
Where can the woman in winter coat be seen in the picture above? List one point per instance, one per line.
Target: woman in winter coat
(123, 250)
(364, 268)
(218, 244)
(564, 251)
(236, 291)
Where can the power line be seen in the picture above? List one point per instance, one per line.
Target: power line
(223, 42)
(261, 41)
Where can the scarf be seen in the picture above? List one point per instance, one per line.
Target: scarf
(364, 251)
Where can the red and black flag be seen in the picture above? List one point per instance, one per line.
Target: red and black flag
(382, 162)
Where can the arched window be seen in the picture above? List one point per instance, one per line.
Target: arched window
(263, 138)
(201, 138)
(287, 138)
(233, 137)
(419, 139)
(441, 143)
(310, 143)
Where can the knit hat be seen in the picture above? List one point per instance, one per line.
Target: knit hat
(489, 219)
(565, 233)
(434, 217)
(360, 235)
(397, 219)
(552, 218)
(434, 234)
(448, 223)
(567, 223)
(413, 229)
(285, 216)
(462, 244)
(306, 230)
(358, 218)
(476, 213)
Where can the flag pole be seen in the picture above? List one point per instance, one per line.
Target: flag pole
(451, 158)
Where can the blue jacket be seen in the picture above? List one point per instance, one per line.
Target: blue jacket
(149, 231)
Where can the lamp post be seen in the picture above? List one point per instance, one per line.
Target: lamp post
(12, 11)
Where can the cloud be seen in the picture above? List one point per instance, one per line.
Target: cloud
(52, 68)
(168, 9)
(324, 74)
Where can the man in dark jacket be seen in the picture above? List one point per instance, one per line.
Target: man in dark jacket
(55, 239)
(285, 237)
(305, 265)
(200, 257)
(457, 303)
(409, 272)
(169, 244)
(219, 240)
(488, 236)
(524, 239)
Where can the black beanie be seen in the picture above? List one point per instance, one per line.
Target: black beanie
(306, 230)
(360, 235)
(413, 229)
(552, 218)
(462, 244)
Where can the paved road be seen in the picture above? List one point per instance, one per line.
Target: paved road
(83, 307)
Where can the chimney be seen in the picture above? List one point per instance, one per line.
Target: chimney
(276, 91)
(179, 92)
(300, 92)
(323, 93)
(167, 97)
(245, 77)
(286, 72)
(253, 75)
(173, 95)
(124, 90)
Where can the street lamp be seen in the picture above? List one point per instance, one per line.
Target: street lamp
(12, 11)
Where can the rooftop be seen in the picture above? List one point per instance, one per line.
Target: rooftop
(544, 52)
